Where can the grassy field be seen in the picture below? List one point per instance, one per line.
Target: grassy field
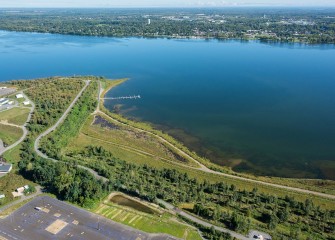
(165, 223)
(16, 115)
(13, 155)
(10, 134)
(124, 143)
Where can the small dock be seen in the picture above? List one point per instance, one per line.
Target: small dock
(124, 97)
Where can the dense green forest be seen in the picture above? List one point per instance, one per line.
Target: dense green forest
(285, 25)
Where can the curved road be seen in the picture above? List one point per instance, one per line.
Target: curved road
(60, 120)
(209, 225)
(206, 169)
(202, 167)
(169, 206)
(24, 127)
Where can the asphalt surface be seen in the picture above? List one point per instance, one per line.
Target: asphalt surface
(2, 148)
(27, 223)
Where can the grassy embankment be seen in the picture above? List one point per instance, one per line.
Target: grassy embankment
(91, 134)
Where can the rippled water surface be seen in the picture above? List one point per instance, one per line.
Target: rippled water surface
(258, 107)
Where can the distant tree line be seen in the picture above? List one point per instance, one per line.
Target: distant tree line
(309, 26)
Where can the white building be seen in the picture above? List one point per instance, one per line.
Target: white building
(149, 21)
(26, 103)
(2, 196)
(19, 95)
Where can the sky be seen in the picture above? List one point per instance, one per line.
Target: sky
(162, 3)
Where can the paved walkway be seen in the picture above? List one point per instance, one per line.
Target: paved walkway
(2, 148)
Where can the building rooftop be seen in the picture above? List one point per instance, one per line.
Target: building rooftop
(5, 167)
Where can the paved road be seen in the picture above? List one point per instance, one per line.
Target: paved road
(205, 169)
(24, 127)
(23, 198)
(199, 221)
(2, 148)
(206, 224)
(60, 120)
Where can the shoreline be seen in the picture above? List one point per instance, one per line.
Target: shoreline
(171, 37)
(288, 183)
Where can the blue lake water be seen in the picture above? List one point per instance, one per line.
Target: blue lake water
(258, 107)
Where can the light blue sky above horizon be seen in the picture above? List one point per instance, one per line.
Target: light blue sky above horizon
(162, 3)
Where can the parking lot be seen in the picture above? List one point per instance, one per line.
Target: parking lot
(48, 218)
(6, 91)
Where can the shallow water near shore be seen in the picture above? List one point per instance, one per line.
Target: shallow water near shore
(258, 107)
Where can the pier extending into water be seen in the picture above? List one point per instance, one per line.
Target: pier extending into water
(124, 97)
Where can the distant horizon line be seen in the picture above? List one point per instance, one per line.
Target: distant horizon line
(168, 7)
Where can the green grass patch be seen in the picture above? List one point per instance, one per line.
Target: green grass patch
(15, 115)
(13, 155)
(10, 134)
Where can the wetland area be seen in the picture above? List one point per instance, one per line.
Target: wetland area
(261, 108)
